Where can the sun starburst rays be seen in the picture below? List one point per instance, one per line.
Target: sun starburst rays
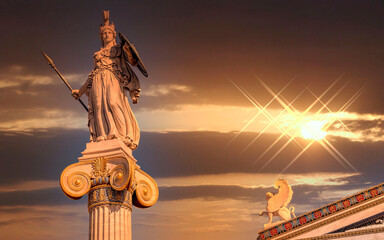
(291, 123)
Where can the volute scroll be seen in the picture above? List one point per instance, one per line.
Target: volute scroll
(146, 192)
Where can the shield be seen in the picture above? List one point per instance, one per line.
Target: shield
(140, 64)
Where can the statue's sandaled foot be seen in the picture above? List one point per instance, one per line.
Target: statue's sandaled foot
(100, 138)
(111, 136)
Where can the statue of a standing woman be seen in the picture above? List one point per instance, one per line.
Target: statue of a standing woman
(110, 115)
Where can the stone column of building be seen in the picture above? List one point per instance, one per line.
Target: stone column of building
(109, 174)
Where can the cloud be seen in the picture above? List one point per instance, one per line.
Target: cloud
(235, 46)
(24, 92)
(38, 156)
(7, 83)
(257, 180)
(198, 219)
(16, 68)
(227, 208)
(44, 222)
(33, 101)
(76, 78)
(165, 89)
(48, 192)
(40, 118)
(194, 118)
(332, 195)
(35, 197)
(33, 79)
(246, 187)
(186, 118)
(361, 128)
(46, 153)
(29, 186)
(351, 126)
(16, 75)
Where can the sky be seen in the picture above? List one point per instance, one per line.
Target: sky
(239, 94)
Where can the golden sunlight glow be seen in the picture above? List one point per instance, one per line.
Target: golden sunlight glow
(313, 130)
(293, 123)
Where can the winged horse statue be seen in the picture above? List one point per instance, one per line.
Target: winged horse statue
(278, 203)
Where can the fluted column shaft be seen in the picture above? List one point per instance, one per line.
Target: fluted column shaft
(109, 213)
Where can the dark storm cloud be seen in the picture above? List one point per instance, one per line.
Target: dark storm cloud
(304, 195)
(199, 44)
(38, 155)
(212, 192)
(43, 155)
(46, 197)
(209, 153)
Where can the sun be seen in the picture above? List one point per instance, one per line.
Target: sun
(313, 130)
(311, 124)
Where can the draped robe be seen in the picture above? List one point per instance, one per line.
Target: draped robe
(110, 115)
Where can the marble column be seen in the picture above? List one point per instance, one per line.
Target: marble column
(109, 174)
(109, 213)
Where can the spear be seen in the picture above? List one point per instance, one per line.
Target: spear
(50, 62)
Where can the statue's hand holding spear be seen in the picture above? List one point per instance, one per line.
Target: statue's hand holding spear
(76, 94)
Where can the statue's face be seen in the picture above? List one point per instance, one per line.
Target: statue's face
(107, 36)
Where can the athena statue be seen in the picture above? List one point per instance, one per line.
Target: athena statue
(110, 115)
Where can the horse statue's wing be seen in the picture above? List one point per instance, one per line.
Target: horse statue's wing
(280, 199)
